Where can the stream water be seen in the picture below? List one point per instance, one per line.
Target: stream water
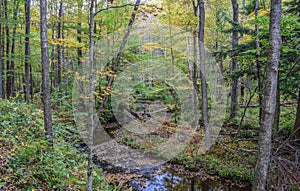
(168, 180)
(120, 160)
(166, 177)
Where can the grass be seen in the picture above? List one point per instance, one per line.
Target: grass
(26, 160)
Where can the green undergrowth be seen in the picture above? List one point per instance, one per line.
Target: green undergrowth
(224, 161)
(228, 161)
(26, 160)
(227, 158)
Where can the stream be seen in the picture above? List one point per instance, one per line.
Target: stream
(132, 168)
(167, 178)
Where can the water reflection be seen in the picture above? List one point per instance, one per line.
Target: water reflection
(168, 180)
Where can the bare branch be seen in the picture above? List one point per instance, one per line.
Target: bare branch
(113, 7)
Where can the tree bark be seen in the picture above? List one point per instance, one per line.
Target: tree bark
(297, 121)
(91, 100)
(59, 47)
(119, 55)
(234, 62)
(11, 76)
(8, 90)
(31, 82)
(277, 110)
(53, 63)
(203, 75)
(79, 33)
(269, 101)
(27, 51)
(1, 52)
(45, 72)
(258, 62)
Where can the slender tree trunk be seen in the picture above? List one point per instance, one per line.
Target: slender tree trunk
(194, 76)
(31, 82)
(59, 47)
(8, 90)
(203, 75)
(195, 68)
(269, 101)
(277, 110)
(79, 33)
(53, 63)
(91, 99)
(1, 52)
(45, 72)
(234, 62)
(27, 51)
(297, 121)
(258, 62)
(119, 55)
(13, 45)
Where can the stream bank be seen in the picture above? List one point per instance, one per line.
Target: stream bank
(128, 168)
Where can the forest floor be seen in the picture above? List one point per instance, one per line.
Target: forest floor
(27, 162)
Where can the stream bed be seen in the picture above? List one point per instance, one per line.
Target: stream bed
(168, 177)
(131, 168)
(167, 180)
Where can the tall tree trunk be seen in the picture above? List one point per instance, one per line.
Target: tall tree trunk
(194, 67)
(8, 90)
(234, 62)
(53, 63)
(79, 33)
(91, 99)
(109, 85)
(27, 51)
(11, 77)
(258, 62)
(45, 72)
(59, 47)
(269, 101)
(194, 75)
(117, 61)
(31, 82)
(203, 74)
(297, 121)
(1, 51)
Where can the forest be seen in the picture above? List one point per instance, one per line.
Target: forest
(150, 95)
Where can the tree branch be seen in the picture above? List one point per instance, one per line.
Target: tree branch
(113, 7)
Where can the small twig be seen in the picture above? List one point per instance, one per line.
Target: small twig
(160, 110)
(291, 135)
(286, 169)
(244, 114)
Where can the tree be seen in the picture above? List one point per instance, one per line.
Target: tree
(258, 62)
(79, 32)
(269, 101)
(91, 100)
(234, 61)
(7, 47)
(1, 53)
(297, 121)
(27, 50)
(59, 47)
(203, 74)
(45, 71)
(110, 81)
(11, 67)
